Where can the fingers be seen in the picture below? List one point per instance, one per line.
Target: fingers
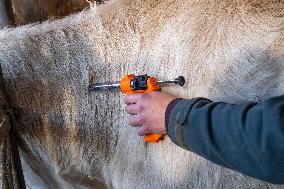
(142, 131)
(133, 109)
(136, 121)
(137, 108)
(132, 99)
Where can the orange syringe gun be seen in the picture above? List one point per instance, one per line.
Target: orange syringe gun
(132, 84)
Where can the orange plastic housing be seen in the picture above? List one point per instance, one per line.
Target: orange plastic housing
(152, 137)
(126, 88)
(151, 86)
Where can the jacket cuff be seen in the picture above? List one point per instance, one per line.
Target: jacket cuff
(169, 110)
(178, 119)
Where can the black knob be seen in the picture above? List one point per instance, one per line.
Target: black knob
(180, 80)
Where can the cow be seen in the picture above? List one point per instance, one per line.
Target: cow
(69, 137)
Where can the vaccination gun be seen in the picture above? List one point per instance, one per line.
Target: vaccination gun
(132, 84)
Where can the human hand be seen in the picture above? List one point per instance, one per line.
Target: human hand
(148, 110)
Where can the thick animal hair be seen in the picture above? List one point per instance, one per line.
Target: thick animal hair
(228, 50)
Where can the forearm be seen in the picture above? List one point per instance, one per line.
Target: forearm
(248, 138)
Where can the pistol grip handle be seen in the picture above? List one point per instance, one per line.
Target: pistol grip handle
(151, 86)
(152, 137)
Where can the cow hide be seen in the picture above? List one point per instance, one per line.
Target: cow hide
(8, 173)
(229, 51)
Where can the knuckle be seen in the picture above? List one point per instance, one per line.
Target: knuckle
(140, 132)
(132, 122)
(135, 121)
(128, 109)
(126, 99)
(143, 96)
(140, 107)
(141, 119)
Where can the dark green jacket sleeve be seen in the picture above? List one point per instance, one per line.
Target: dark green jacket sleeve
(248, 138)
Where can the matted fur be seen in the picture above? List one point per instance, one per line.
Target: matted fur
(228, 51)
(8, 178)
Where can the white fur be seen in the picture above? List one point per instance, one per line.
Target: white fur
(230, 51)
